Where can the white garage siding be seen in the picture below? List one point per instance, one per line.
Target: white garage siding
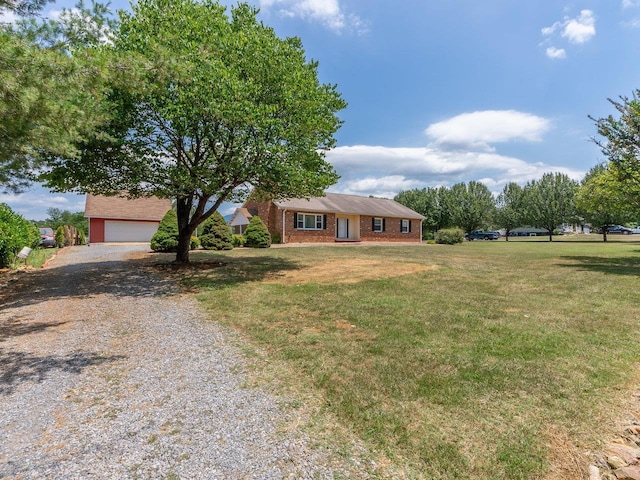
(115, 231)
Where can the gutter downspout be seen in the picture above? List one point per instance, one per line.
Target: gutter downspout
(420, 231)
(283, 225)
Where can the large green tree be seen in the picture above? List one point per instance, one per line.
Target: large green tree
(620, 141)
(550, 201)
(509, 212)
(471, 205)
(602, 200)
(429, 202)
(50, 87)
(216, 104)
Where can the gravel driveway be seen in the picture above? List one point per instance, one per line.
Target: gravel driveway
(106, 372)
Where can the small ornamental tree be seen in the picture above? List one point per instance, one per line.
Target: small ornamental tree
(256, 234)
(216, 234)
(166, 238)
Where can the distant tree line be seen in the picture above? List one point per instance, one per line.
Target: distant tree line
(554, 200)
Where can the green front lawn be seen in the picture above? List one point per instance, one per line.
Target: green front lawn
(484, 360)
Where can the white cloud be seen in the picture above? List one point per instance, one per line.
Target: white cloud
(576, 31)
(33, 204)
(327, 12)
(557, 53)
(580, 29)
(8, 16)
(385, 171)
(630, 3)
(460, 151)
(477, 130)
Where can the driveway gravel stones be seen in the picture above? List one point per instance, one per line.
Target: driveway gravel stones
(106, 371)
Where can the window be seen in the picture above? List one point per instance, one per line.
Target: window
(305, 221)
(405, 226)
(378, 225)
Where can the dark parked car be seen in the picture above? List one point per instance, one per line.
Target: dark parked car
(47, 237)
(619, 229)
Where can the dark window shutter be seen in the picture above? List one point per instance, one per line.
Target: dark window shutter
(409, 226)
(384, 225)
(401, 226)
(324, 222)
(373, 224)
(295, 220)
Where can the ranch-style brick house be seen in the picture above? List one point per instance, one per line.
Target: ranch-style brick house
(333, 218)
(119, 219)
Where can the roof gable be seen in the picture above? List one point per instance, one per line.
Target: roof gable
(240, 217)
(147, 208)
(350, 204)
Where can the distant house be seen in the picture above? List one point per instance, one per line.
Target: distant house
(333, 218)
(119, 219)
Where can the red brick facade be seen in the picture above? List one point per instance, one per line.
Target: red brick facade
(273, 217)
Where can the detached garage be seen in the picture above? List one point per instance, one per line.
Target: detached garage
(119, 219)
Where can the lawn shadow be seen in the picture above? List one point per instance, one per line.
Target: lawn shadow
(613, 266)
(152, 275)
(210, 270)
(20, 367)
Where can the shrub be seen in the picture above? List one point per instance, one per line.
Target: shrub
(166, 238)
(238, 240)
(216, 234)
(15, 232)
(449, 236)
(59, 236)
(256, 234)
(276, 239)
(195, 242)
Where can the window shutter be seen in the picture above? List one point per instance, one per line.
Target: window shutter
(409, 226)
(384, 225)
(295, 220)
(373, 224)
(324, 222)
(400, 225)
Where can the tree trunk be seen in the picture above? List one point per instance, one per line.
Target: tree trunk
(184, 242)
(183, 210)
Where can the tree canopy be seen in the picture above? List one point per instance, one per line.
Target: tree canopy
(602, 201)
(205, 106)
(509, 212)
(471, 205)
(550, 201)
(49, 87)
(621, 141)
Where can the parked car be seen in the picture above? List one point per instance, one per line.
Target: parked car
(47, 237)
(483, 235)
(619, 229)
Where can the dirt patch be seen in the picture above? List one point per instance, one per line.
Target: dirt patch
(348, 271)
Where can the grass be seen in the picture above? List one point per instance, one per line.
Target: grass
(489, 360)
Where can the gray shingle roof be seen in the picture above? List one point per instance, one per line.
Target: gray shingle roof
(350, 204)
(152, 208)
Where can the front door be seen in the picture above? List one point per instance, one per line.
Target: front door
(343, 228)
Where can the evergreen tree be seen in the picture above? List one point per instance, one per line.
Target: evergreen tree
(256, 234)
(166, 238)
(216, 234)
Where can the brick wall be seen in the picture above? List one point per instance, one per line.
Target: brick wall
(272, 218)
(391, 232)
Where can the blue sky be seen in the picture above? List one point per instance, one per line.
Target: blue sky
(441, 92)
